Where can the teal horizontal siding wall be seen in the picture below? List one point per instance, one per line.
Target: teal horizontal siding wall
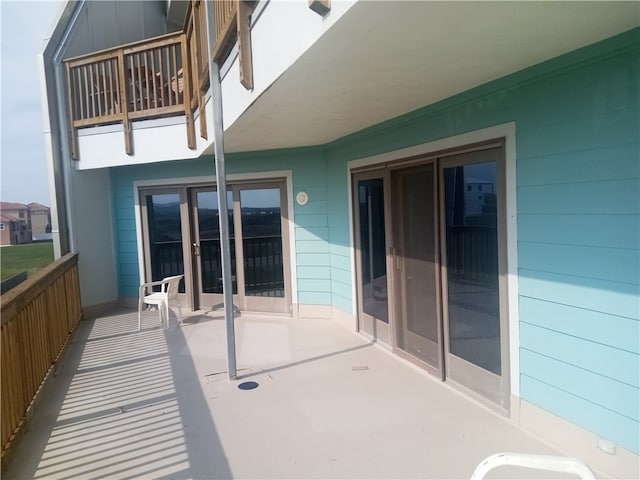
(578, 193)
(577, 128)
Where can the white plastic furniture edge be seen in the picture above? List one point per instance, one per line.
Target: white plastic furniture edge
(539, 462)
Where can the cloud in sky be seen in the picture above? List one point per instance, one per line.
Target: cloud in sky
(23, 169)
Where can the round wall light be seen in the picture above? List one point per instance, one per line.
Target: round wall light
(302, 198)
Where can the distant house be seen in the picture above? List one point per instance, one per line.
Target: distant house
(16, 223)
(8, 228)
(40, 221)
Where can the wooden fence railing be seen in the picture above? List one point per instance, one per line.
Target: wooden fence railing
(38, 317)
(158, 77)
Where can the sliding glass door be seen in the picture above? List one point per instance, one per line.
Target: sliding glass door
(430, 257)
(181, 227)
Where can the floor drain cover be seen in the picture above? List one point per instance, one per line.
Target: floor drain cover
(248, 385)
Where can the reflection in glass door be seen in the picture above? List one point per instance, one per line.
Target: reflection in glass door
(262, 248)
(205, 246)
(163, 225)
(371, 255)
(470, 227)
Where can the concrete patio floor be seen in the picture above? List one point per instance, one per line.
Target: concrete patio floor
(157, 404)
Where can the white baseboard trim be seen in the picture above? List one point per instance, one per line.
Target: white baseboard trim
(344, 319)
(574, 441)
(314, 311)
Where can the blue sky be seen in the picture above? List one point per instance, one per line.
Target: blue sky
(23, 170)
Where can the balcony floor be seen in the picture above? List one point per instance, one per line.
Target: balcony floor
(157, 404)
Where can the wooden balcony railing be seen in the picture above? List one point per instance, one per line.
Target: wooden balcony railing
(159, 77)
(137, 81)
(38, 317)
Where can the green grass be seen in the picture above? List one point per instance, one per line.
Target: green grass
(30, 257)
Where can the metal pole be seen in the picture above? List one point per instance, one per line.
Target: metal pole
(218, 138)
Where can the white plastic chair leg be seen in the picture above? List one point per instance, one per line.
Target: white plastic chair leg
(166, 315)
(139, 313)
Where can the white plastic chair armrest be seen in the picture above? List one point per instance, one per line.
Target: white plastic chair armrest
(143, 287)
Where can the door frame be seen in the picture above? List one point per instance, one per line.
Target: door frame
(459, 143)
(249, 302)
(285, 176)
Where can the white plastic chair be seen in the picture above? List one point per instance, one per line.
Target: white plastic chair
(538, 462)
(168, 292)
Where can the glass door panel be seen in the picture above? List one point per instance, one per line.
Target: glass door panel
(206, 245)
(415, 235)
(261, 219)
(471, 212)
(371, 255)
(165, 255)
(472, 264)
(262, 242)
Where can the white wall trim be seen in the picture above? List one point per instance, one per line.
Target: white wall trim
(508, 131)
(352, 253)
(211, 180)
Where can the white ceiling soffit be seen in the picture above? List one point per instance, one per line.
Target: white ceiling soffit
(384, 59)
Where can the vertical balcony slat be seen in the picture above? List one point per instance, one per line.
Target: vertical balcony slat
(111, 99)
(82, 91)
(144, 87)
(78, 75)
(174, 92)
(160, 77)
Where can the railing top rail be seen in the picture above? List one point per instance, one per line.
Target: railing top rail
(144, 44)
(12, 301)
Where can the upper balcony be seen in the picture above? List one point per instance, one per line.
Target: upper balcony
(157, 78)
(293, 78)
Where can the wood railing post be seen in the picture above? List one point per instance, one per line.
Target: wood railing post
(199, 62)
(124, 104)
(186, 82)
(245, 59)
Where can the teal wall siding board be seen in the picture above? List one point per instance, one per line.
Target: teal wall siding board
(612, 264)
(604, 360)
(613, 197)
(620, 397)
(618, 332)
(608, 231)
(618, 162)
(599, 295)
